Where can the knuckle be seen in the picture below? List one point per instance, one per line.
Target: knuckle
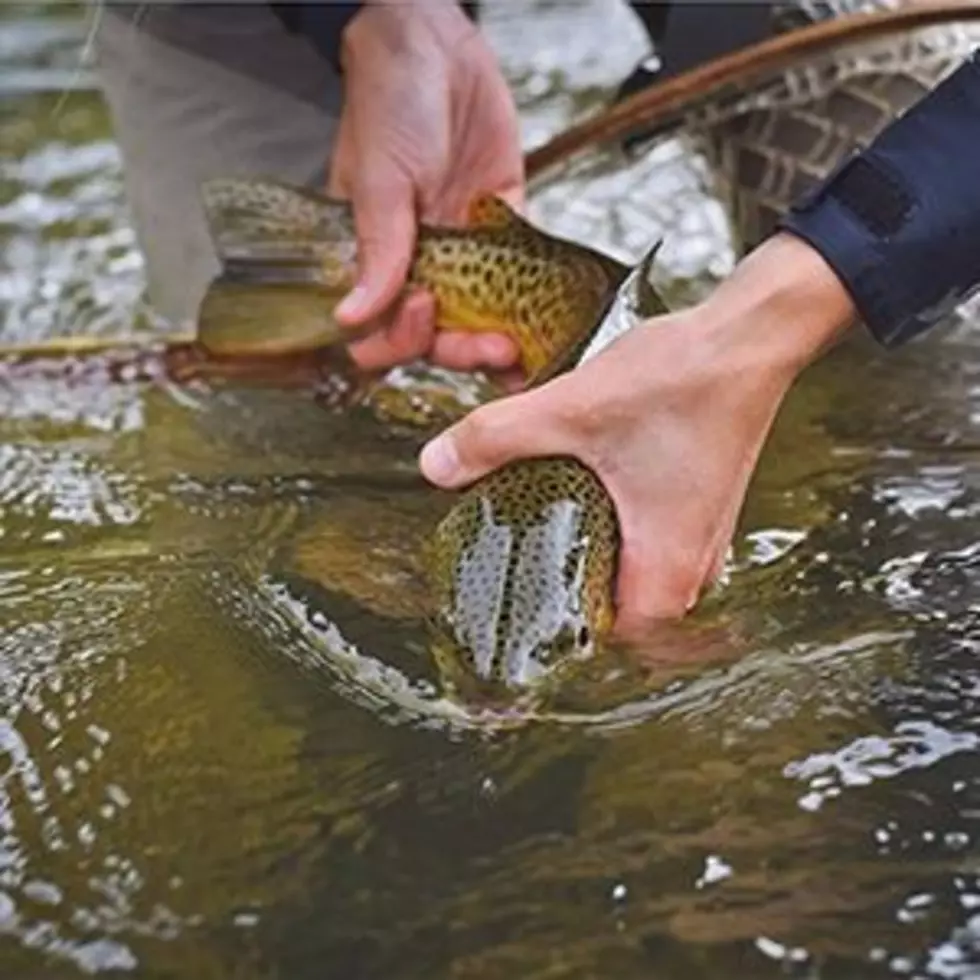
(382, 198)
(480, 430)
(574, 408)
(484, 437)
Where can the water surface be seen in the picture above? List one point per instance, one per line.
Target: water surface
(218, 753)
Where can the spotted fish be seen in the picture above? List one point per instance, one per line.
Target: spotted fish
(288, 255)
(524, 565)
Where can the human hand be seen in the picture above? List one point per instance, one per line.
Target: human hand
(672, 417)
(428, 123)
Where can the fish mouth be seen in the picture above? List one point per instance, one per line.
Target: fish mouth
(523, 675)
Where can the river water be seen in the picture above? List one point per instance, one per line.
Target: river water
(218, 757)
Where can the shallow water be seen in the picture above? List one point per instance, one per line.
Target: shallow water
(218, 753)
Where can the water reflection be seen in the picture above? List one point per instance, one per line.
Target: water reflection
(222, 752)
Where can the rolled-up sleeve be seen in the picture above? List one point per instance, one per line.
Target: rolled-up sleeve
(900, 221)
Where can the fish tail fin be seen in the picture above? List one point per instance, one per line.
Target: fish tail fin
(271, 217)
(287, 255)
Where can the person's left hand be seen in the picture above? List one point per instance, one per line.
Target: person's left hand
(428, 123)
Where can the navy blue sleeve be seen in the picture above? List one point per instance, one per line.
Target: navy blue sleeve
(323, 22)
(900, 222)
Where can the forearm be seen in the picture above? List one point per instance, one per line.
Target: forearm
(777, 312)
(900, 222)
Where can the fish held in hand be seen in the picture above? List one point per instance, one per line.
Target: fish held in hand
(288, 256)
(524, 565)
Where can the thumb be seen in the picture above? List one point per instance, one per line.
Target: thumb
(491, 436)
(384, 218)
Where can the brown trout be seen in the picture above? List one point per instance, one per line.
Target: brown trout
(522, 568)
(288, 255)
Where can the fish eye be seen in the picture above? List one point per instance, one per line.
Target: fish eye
(583, 637)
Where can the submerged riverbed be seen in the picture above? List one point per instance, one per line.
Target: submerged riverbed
(218, 756)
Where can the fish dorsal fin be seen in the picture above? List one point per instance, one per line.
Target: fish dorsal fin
(635, 300)
(489, 211)
(638, 290)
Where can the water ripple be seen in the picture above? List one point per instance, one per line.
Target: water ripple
(195, 779)
(62, 486)
(913, 745)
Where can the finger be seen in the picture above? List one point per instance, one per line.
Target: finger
(495, 434)
(452, 204)
(651, 589)
(722, 544)
(666, 563)
(514, 193)
(717, 570)
(511, 381)
(340, 165)
(408, 337)
(663, 563)
(384, 217)
(461, 351)
(503, 166)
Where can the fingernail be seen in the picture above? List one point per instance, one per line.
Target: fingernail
(349, 306)
(440, 461)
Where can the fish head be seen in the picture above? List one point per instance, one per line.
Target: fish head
(523, 568)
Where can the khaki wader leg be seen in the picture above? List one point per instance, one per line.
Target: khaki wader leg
(239, 96)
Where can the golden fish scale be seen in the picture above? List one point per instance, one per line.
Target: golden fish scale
(544, 293)
(523, 567)
(281, 246)
(545, 514)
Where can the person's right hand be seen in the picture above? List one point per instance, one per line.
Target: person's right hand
(671, 417)
(428, 123)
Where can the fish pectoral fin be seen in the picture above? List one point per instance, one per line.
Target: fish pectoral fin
(489, 211)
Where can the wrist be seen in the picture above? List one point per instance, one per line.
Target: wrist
(410, 26)
(781, 308)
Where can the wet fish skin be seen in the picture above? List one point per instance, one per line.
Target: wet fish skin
(522, 570)
(523, 566)
(288, 255)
